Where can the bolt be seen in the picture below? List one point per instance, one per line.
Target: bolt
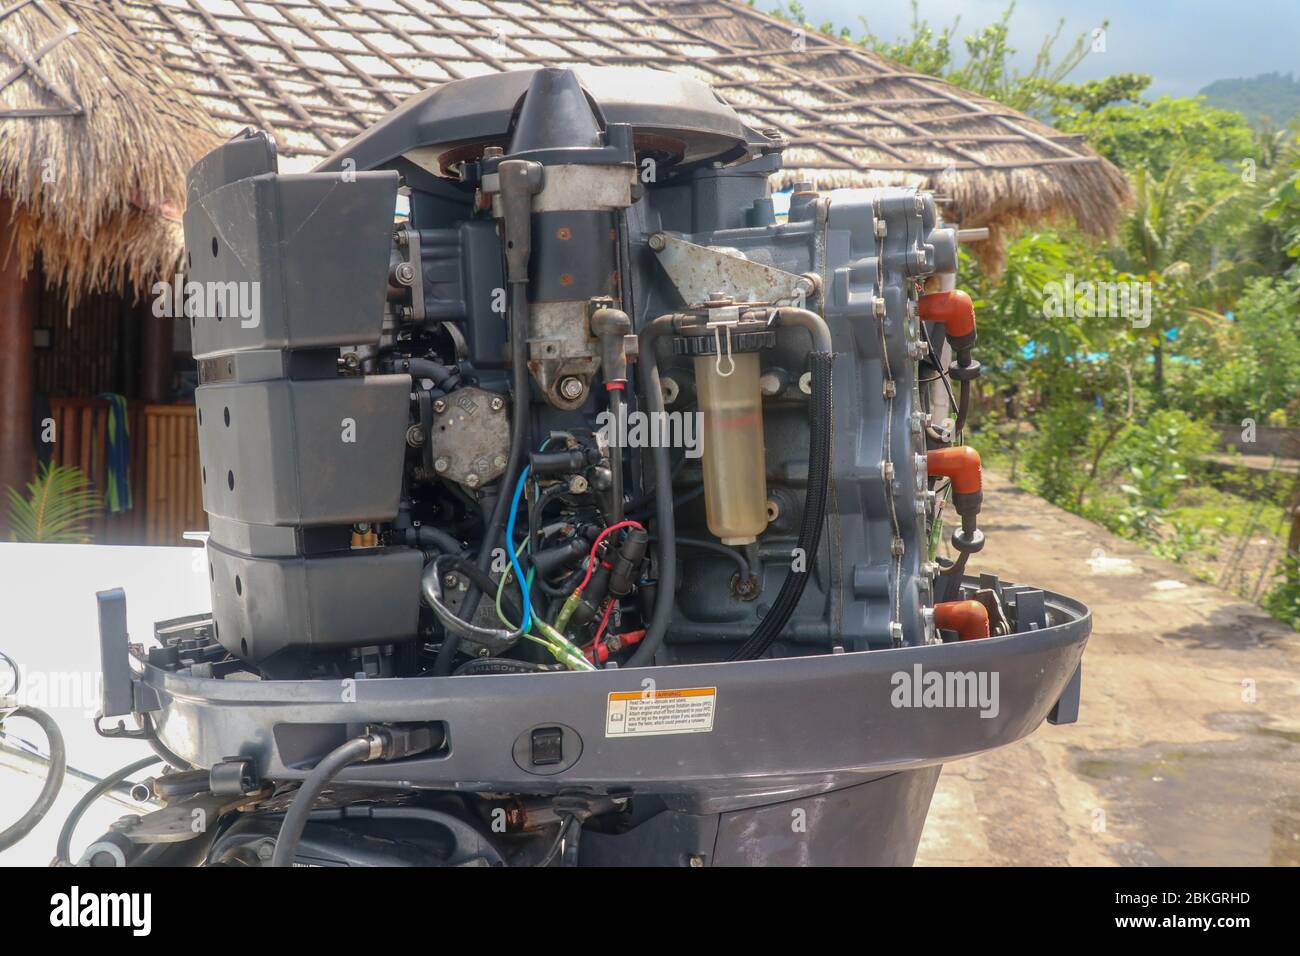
(805, 383)
(441, 465)
(499, 461)
(658, 242)
(497, 404)
(405, 274)
(415, 436)
(472, 480)
(697, 860)
(571, 388)
(266, 851)
(439, 405)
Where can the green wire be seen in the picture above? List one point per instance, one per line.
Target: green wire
(560, 647)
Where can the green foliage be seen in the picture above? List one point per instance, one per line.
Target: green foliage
(1283, 599)
(1155, 134)
(1250, 367)
(58, 509)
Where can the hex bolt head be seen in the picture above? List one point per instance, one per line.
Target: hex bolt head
(658, 242)
(571, 388)
(405, 274)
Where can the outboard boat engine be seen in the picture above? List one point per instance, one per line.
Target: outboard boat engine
(569, 504)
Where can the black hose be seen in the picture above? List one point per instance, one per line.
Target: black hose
(820, 442)
(653, 397)
(731, 554)
(112, 781)
(615, 457)
(427, 536)
(58, 765)
(518, 444)
(356, 750)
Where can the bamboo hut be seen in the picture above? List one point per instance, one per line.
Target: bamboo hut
(94, 145)
(317, 72)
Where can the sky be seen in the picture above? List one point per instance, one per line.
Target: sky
(1183, 44)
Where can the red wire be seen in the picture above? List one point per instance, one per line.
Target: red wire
(600, 631)
(591, 558)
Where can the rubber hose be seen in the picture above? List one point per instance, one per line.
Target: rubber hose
(665, 595)
(64, 846)
(431, 537)
(518, 443)
(58, 766)
(615, 459)
(356, 750)
(821, 418)
(731, 554)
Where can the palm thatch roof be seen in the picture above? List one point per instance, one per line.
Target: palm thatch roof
(95, 146)
(317, 72)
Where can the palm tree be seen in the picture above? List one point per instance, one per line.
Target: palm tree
(1172, 239)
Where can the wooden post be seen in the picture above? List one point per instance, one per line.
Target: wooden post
(156, 363)
(17, 317)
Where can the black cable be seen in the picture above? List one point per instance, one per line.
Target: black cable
(356, 750)
(615, 457)
(554, 850)
(731, 554)
(64, 846)
(653, 397)
(518, 444)
(54, 773)
(161, 749)
(821, 419)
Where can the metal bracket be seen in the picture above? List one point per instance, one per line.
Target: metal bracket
(702, 273)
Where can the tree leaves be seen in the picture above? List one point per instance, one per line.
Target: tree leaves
(58, 508)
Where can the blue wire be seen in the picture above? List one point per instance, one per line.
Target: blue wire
(527, 625)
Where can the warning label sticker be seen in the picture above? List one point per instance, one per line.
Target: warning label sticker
(688, 710)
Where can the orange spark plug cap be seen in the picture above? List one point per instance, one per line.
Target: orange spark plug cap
(954, 309)
(961, 464)
(970, 619)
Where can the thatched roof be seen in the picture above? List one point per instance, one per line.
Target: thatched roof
(95, 146)
(317, 72)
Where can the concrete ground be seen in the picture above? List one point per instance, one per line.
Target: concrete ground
(1187, 748)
